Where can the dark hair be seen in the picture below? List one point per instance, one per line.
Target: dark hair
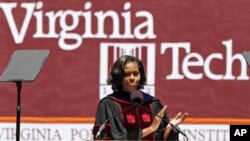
(117, 72)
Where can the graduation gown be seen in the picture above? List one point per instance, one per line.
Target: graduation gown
(125, 121)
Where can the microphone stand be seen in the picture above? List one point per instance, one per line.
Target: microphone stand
(174, 126)
(102, 127)
(137, 113)
(18, 109)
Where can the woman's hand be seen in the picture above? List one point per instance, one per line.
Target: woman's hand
(157, 119)
(179, 118)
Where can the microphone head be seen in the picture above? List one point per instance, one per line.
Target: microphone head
(136, 97)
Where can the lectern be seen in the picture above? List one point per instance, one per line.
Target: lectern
(23, 66)
(246, 55)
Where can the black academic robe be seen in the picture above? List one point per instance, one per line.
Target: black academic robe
(123, 123)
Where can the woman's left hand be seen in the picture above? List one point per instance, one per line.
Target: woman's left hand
(179, 118)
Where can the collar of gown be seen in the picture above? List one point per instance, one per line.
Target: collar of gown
(123, 95)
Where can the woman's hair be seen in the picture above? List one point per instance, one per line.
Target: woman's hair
(117, 72)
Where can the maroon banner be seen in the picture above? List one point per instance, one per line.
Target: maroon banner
(192, 51)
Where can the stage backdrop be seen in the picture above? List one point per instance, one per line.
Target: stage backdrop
(192, 52)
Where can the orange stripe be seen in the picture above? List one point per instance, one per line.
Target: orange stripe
(50, 119)
(217, 121)
(92, 119)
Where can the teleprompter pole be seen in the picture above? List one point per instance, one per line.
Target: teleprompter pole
(18, 109)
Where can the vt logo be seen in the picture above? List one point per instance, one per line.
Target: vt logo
(109, 52)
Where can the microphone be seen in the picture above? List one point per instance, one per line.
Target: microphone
(101, 128)
(137, 98)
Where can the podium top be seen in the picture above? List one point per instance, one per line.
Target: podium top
(24, 65)
(246, 55)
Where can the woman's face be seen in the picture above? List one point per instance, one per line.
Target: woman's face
(132, 77)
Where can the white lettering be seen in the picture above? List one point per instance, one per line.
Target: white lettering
(175, 59)
(7, 9)
(207, 64)
(195, 60)
(65, 28)
(68, 38)
(187, 62)
(237, 132)
(229, 63)
(148, 24)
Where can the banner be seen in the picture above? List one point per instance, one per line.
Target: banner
(83, 132)
(192, 52)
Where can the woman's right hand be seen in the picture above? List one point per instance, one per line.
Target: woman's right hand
(157, 119)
